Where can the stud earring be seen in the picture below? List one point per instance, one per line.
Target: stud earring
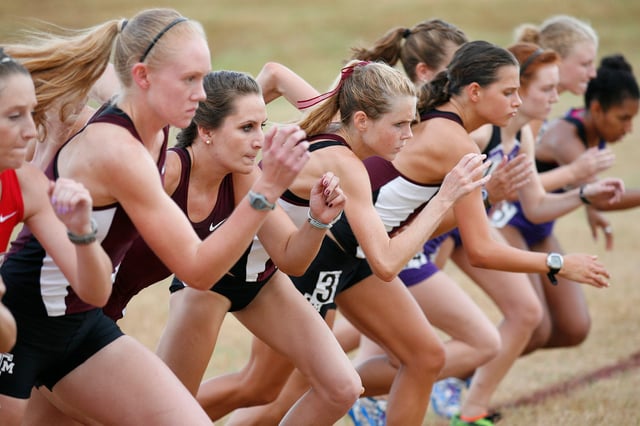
(208, 141)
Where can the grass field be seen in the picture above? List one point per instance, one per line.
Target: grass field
(594, 384)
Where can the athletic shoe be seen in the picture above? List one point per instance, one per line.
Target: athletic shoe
(488, 420)
(357, 416)
(369, 412)
(446, 396)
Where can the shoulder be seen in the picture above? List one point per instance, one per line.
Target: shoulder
(344, 164)
(557, 132)
(112, 145)
(30, 177)
(34, 186)
(332, 152)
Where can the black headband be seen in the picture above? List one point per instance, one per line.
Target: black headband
(530, 60)
(160, 34)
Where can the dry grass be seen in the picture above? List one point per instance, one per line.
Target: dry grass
(313, 38)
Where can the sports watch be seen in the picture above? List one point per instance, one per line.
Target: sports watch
(554, 263)
(260, 202)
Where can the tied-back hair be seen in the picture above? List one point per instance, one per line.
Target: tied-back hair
(531, 58)
(426, 42)
(613, 83)
(560, 33)
(223, 88)
(64, 65)
(474, 62)
(9, 67)
(371, 88)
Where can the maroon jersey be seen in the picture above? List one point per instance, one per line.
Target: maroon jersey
(34, 282)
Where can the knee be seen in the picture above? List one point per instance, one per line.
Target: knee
(571, 335)
(527, 315)
(428, 359)
(489, 347)
(540, 337)
(437, 358)
(345, 391)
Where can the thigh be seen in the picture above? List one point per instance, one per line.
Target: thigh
(160, 398)
(45, 408)
(388, 314)
(12, 410)
(368, 349)
(450, 309)
(514, 237)
(348, 336)
(283, 319)
(191, 332)
(511, 291)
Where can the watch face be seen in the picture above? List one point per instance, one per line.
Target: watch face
(554, 261)
(259, 202)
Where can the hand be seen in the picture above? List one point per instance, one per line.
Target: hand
(72, 203)
(327, 199)
(284, 154)
(604, 192)
(586, 269)
(464, 177)
(508, 177)
(597, 220)
(591, 162)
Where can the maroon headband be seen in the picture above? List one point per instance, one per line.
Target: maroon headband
(344, 74)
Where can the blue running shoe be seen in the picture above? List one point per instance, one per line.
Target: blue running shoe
(369, 412)
(446, 396)
(356, 415)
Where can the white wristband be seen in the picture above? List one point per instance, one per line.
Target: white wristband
(319, 225)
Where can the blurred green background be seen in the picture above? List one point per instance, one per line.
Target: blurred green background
(314, 37)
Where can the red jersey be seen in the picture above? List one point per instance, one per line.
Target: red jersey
(11, 206)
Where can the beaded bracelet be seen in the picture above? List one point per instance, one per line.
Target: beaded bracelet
(583, 197)
(86, 238)
(319, 225)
